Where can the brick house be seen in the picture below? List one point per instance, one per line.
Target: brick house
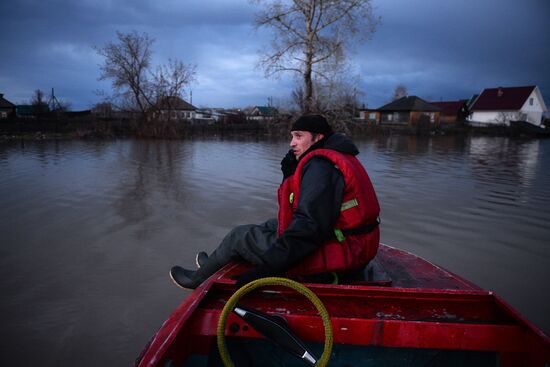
(410, 111)
(7, 109)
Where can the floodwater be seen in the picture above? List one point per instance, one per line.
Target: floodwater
(89, 230)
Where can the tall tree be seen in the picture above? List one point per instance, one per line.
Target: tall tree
(309, 34)
(126, 63)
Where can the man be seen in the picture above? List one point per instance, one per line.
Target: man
(327, 221)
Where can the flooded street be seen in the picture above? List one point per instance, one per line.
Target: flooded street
(90, 229)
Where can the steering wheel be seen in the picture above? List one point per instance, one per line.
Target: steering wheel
(276, 330)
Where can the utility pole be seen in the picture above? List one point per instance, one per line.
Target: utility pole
(354, 102)
(53, 103)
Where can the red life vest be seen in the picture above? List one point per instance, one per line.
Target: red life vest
(360, 209)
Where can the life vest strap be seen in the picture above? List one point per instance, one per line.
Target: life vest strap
(341, 234)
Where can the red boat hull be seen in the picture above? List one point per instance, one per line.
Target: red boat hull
(420, 306)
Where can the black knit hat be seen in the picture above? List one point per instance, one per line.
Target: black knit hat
(313, 124)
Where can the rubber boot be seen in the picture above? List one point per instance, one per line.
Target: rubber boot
(189, 279)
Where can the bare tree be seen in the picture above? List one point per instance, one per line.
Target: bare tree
(504, 118)
(38, 103)
(37, 97)
(311, 33)
(127, 63)
(171, 80)
(399, 92)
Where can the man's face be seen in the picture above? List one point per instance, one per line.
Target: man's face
(302, 140)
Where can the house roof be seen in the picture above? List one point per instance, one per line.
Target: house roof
(175, 103)
(267, 111)
(450, 108)
(500, 98)
(4, 103)
(409, 103)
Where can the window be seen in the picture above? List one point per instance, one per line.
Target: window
(530, 101)
(372, 116)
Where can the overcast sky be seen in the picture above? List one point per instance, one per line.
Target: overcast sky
(439, 49)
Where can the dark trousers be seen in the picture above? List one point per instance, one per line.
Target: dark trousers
(246, 242)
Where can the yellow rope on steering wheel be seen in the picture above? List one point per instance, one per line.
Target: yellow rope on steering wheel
(300, 288)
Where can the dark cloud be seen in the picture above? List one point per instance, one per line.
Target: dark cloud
(438, 49)
(453, 49)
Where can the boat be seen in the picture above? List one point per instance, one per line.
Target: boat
(401, 311)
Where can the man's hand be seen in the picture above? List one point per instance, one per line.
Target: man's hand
(289, 164)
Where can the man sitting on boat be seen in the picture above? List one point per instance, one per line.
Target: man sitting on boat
(327, 220)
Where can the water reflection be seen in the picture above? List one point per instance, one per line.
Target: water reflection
(417, 146)
(503, 160)
(150, 168)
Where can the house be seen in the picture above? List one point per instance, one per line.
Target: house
(174, 108)
(25, 111)
(452, 111)
(370, 116)
(499, 106)
(409, 111)
(7, 109)
(205, 117)
(263, 113)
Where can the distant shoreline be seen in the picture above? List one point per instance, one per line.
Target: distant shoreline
(93, 128)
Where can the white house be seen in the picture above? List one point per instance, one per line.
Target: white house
(499, 106)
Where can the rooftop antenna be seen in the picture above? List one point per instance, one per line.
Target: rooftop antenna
(190, 97)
